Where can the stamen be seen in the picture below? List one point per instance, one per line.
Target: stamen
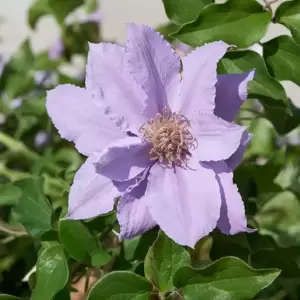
(169, 134)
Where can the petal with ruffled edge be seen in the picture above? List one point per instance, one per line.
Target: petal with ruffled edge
(216, 138)
(108, 79)
(132, 212)
(123, 159)
(91, 193)
(231, 92)
(199, 78)
(232, 217)
(154, 65)
(184, 203)
(234, 160)
(79, 119)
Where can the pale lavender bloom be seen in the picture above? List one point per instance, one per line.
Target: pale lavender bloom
(15, 103)
(41, 138)
(57, 49)
(163, 141)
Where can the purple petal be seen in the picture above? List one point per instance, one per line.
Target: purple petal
(91, 193)
(184, 209)
(216, 138)
(234, 160)
(231, 93)
(80, 120)
(232, 217)
(199, 78)
(154, 65)
(132, 212)
(108, 79)
(124, 159)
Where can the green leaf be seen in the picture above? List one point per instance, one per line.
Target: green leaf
(33, 210)
(121, 285)
(9, 194)
(52, 273)
(36, 11)
(263, 87)
(162, 261)
(17, 77)
(184, 11)
(282, 58)
(137, 248)
(9, 297)
(288, 14)
(227, 22)
(263, 142)
(167, 29)
(43, 63)
(227, 278)
(80, 244)
(60, 9)
(280, 219)
(285, 259)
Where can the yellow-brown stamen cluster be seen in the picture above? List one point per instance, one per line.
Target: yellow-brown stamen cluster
(171, 139)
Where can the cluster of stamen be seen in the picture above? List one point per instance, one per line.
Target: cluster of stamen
(170, 137)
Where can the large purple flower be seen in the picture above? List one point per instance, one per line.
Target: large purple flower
(161, 138)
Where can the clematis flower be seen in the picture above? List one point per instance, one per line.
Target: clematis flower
(160, 138)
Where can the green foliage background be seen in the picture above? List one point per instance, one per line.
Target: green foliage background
(52, 254)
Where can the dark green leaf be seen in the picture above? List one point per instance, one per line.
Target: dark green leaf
(121, 285)
(52, 273)
(285, 259)
(184, 11)
(9, 194)
(162, 261)
(33, 210)
(288, 14)
(167, 29)
(282, 58)
(136, 249)
(227, 22)
(80, 244)
(9, 297)
(229, 245)
(265, 88)
(228, 278)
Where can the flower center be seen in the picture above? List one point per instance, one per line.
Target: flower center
(169, 134)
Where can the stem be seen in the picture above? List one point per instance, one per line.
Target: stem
(268, 4)
(87, 281)
(11, 230)
(13, 175)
